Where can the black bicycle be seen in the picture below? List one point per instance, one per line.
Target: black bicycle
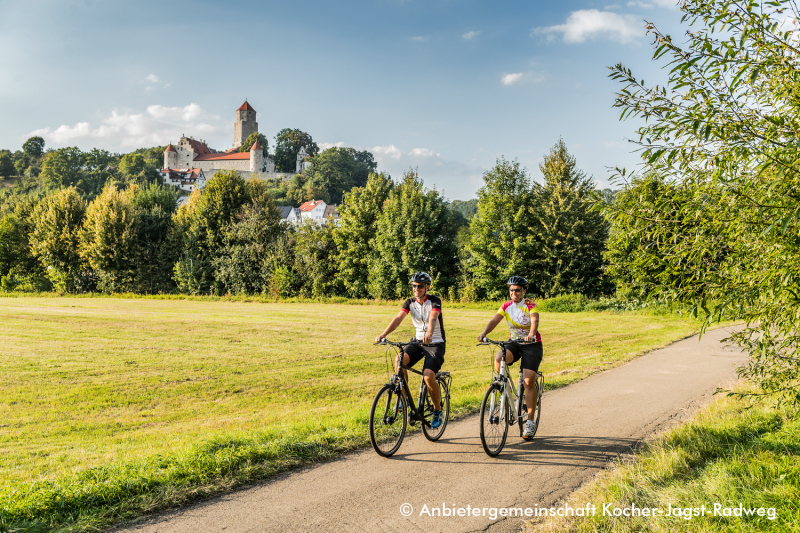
(391, 412)
(504, 404)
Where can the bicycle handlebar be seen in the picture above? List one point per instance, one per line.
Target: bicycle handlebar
(399, 344)
(487, 341)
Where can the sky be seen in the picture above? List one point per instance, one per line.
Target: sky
(443, 86)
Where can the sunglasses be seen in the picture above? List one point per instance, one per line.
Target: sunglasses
(418, 286)
(516, 290)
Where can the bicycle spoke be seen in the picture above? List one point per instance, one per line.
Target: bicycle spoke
(387, 421)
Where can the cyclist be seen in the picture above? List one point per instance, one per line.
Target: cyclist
(523, 323)
(426, 315)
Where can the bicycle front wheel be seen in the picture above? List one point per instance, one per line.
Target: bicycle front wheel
(494, 423)
(427, 412)
(388, 419)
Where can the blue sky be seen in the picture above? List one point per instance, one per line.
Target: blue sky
(446, 86)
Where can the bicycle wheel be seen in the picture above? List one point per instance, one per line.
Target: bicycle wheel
(494, 424)
(427, 412)
(387, 421)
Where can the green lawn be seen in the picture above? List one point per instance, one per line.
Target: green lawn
(733, 454)
(111, 406)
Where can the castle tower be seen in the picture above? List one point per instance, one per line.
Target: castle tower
(170, 157)
(301, 160)
(256, 158)
(245, 124)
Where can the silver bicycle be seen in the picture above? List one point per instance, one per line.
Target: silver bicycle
(504, 404)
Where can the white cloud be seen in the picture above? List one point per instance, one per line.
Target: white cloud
(383, 152)
(325, 146)
(510, 79)
(156, 125)
(152, 78)
(520, 77)
(672, 4)
(470, 34)
(419, 38)
(612, 6)
(591, 24)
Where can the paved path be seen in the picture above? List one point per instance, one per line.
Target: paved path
(583, 427)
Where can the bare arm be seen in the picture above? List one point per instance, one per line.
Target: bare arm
(496, 319)
(431, 321)
(534, 326)
(392, 326)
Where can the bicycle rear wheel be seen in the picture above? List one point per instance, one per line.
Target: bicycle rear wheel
(494, 423)
(427, 412)
(388, 420)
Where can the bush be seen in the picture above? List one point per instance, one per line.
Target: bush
(566, 303)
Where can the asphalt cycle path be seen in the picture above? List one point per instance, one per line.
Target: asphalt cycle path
(584, 426)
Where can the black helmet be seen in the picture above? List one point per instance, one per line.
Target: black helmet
(421, 277)
(518, 280)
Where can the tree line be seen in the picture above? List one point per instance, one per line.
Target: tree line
(229, 238)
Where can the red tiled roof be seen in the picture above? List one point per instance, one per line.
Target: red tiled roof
(308, 206)
(198, 147)
(255, 147)
(170, 148)
(224, 156)
(184, 173)
(246, 107)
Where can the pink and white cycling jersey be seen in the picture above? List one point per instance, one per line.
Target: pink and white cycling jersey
(518, 317)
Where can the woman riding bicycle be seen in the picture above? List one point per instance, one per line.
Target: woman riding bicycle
(523, 323)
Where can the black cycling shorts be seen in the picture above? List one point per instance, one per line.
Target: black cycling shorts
(433, 354)
(531, 354)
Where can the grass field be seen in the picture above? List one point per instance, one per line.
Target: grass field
(115, 407)
(733, 454)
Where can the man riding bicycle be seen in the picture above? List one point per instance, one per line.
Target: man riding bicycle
(426, 315)
(523, 324)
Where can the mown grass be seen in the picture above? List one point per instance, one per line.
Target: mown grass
(115, 407)
(732, 453)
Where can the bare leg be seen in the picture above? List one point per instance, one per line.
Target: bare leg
(499, 358)
(433, 387)
(531, 390)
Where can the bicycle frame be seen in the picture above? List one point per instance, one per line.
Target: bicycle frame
(511, 394)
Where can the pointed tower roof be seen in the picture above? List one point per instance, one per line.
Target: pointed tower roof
(246, 107)
(170, 148)
(256, 147)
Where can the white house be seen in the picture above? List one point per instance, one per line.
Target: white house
(186, 179)
(315, 210)
(289, 214)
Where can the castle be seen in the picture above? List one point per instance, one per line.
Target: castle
(188, 163)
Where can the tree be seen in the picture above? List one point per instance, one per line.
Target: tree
(33, 147)
(314, 246)
(132, 164)
(109, 239)
(356, 233)
(19, 269)
(247, 260)
(722, 135)
(500, 245)
(154, 207)
(287, 143)
(55, 240)
(62, 168)
(568, 236)
(7, 168)
(251, 140)
(415, 231)
(337, 170)
(465, 209)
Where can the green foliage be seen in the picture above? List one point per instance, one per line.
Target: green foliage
(358, 227)
(565, 303)
(7, 168)
(252, 248)
(314, 248)
(33, 147)
(132, 164)
(251, 140)
(568, 235)
(500, 244)
(336, 171)
(62, 168)
(55, 241)
(415, 231)
(722, 135)
(287, 144)
(464, 210)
